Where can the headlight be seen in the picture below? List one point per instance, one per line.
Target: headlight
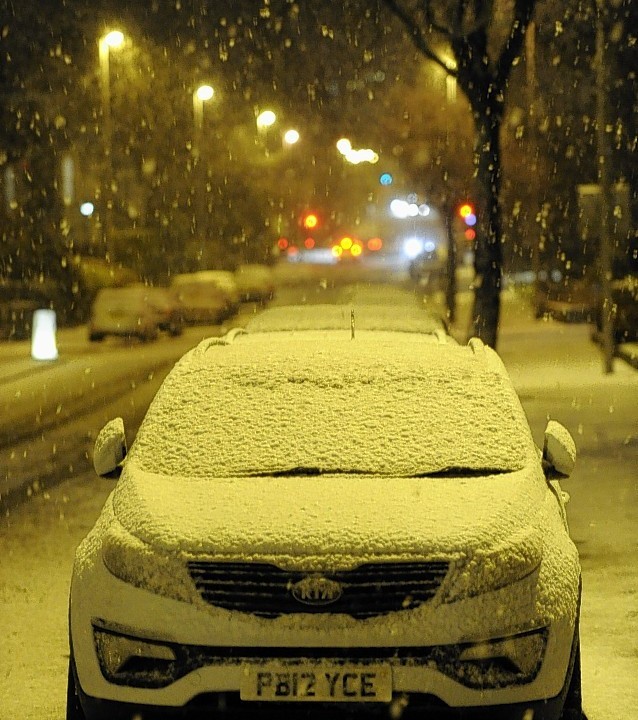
(137, 563)
(498, 566)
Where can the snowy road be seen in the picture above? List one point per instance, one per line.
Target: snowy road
(558, 374)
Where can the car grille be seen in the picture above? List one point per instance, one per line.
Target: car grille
(367, 591)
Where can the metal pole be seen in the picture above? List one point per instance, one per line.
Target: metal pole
(606, 190)
(107, 200)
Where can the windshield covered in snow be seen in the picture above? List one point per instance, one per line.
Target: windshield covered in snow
(314, 403)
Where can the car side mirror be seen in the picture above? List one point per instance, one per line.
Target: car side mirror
(559, 450)
(110, 447)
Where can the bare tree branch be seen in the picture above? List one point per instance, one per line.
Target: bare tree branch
(417, 35)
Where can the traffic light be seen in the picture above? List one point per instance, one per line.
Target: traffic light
(467, 213)
(310, 220)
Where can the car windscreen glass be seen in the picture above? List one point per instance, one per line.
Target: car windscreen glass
(374, 412)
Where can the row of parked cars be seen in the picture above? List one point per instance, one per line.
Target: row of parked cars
(205, 297)
(337, 507)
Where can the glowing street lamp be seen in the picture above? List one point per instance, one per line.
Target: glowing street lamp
(200, 96)
(112, 40)
(291, 137)
(266, 119)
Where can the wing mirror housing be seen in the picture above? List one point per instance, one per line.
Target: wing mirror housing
(559, 450)
(110, 448)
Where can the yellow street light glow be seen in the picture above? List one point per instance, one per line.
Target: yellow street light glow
(346, 243)
(291, 137)
(356, 250)
(266, 119)
(465, 210)
(114, 39)
(205, 92)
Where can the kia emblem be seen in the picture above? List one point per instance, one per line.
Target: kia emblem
(316, 590)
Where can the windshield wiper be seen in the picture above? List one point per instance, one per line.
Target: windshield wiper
(301, 471)
(462, 472)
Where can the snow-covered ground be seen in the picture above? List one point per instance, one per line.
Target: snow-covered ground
(558, 374)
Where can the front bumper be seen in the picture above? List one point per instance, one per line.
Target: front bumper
(214, 646)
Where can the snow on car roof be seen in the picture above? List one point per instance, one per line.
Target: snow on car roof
(384, 403)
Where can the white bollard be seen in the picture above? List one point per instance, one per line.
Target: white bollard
(43, 340)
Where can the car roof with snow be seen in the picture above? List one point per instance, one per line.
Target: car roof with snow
(383, 403)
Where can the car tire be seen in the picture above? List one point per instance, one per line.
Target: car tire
(73, 708)
(573, 707)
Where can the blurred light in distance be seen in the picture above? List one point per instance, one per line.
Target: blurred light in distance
(385, 178)
(412, 247)
(429, 246)
(282, 243)
(266, 119)
(465, 210)
(291, 137)
(470, 219)
(205, 92)
(470, 234)
(310, 221)
(337, 250)
(424, 209)
(356, 250)
(114, 39)
(292, 250)
(375, 243)
(309, 243)
(346, 243)
(344, 146)
(87, 209)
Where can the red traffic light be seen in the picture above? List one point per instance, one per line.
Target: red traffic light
(467, 213)
(310, 221)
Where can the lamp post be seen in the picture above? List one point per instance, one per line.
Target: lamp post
(200, 96)
(113, 39)
(604, 153)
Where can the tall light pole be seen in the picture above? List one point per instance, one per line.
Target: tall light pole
(604, 153)
(113, 39)
(200, 96)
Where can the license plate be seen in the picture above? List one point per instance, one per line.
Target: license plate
(316, 682)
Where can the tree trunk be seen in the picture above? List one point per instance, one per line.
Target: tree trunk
(488, 256)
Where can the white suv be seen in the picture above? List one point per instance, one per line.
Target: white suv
(307, 519)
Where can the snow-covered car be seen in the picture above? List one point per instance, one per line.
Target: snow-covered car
(134, 311)
(310, 519)
(255, 282)
(202, 299)
(349, 317)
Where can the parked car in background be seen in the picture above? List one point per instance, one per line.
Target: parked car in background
(570, 297)
(350, 318)
(135, 311)
(225, 281)
(255, 282)
(202, 299)
(307, 517)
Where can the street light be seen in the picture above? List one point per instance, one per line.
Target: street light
(265, 119)
(113, 39)
(200, 96)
